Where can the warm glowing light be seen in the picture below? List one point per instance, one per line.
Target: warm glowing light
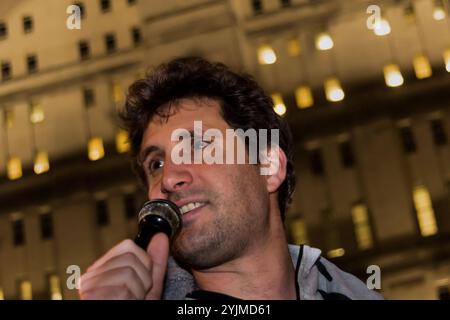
(9, 117)
(117, 93)
(55, 287)
(333, 90)
(439, 11)
(298, 231)
(26, 292)
(424, 211)
(324, 41)
(41, 163)
(14, 168)
(122, 143)
(266, 55)
(361, 222)
(382, 28)
(278, 105)
(336, 253)
(392, 75)
(447, 59)
(294, 48)
(304, 97)
(36, 113)
(2, 295)
(96, 150)
(422, 67)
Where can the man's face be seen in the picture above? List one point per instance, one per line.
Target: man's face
(232, 199)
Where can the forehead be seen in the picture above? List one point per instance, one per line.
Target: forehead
(183, 113)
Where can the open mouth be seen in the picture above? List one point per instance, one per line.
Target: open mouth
(191, 206)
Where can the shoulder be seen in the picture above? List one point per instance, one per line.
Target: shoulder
(318, 278)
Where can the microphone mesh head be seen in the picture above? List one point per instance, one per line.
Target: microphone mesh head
(164, 209)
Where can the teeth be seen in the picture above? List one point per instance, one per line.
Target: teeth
(190, 206)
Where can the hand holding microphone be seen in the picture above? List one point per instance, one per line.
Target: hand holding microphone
(136, 270)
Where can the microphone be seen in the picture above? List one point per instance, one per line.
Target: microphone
(158, 215)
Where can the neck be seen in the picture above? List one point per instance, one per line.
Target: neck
(264, 272)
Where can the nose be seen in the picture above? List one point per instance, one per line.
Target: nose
(175, 177)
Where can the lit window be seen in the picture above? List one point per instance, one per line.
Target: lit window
(294, 48)
(447, 59)
(117, 93)
(424, 211)
(14, 168)
(122, 141)
(324, 41)
(27, 24)
(392, 75)
(278, 105)
(41, 162)
(266, 55)
(25, 288)
(298, 231)
(36, 112)
(8, 114)
(96, 150)
(304, 97)
(335, 253)
(382, 28)
(2, 294)
(55, 287)
(439, 10)
(422, 67)
(333, 90)
(361, 223)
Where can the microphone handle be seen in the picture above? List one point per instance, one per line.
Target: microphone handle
(148, 227)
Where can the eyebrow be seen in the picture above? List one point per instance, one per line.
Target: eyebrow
(147, 151)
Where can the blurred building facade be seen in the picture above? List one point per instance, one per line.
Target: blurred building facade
(370, 116)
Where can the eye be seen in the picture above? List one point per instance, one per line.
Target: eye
(155, 165)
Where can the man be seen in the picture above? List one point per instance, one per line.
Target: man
(232, 243)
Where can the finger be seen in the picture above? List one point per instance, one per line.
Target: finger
(127, 259)
(124, 246)
(158, 249)
(125, 277)
(107, 293)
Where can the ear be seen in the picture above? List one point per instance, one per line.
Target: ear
(276, 174)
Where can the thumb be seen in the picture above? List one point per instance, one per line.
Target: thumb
(158, 249)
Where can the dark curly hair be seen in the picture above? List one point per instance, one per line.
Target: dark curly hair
(244, 105)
